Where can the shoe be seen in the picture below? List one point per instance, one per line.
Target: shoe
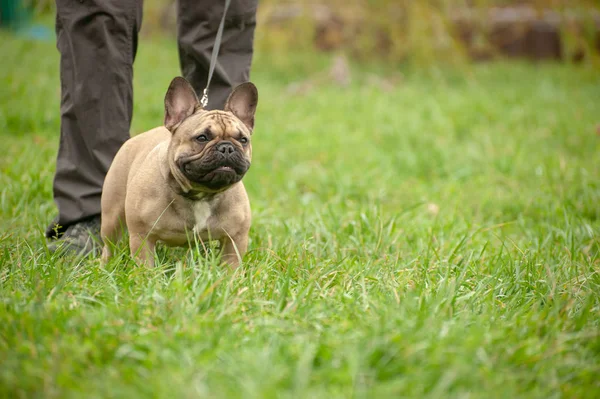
(54, 229)
(80, 239)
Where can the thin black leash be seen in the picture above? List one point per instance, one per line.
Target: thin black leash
(215, 54)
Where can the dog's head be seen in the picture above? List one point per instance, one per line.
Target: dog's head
(209, 150)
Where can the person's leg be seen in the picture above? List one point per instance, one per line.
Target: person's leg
(97, 41)
(198, 21)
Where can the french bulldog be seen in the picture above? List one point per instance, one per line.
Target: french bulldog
(183, 181)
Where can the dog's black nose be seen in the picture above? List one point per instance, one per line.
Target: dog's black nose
(225, 147)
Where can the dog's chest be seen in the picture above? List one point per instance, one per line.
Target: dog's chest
(201, 215)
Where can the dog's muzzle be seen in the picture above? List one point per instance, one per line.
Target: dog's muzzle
(222, 167)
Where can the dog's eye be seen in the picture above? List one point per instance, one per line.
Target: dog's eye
(202, 138)
(243, 140)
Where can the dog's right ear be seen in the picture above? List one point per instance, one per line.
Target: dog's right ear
(180, 102)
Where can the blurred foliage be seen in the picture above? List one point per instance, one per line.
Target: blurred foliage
(422, 32)
(39, 6)
(431, 31)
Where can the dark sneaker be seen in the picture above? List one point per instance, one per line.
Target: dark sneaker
(55, 230)
(81, 239)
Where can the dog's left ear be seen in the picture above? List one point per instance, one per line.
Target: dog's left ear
(242, 103)
(181, 101)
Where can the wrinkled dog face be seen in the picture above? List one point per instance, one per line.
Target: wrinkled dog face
(211, 149)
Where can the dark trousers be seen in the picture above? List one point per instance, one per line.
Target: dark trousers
(97, 41)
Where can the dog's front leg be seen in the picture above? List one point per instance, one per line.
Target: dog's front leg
(142, 248)
(234, 248)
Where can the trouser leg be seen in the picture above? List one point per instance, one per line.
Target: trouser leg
(198, 21)
(97, 41)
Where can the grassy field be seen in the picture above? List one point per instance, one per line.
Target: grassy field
(435, 237)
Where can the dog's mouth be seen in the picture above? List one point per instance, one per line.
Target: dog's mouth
(214, 174)
(193, 170)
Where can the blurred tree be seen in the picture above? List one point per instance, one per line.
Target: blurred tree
(13, 14)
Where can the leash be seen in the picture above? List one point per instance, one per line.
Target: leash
(215, 54)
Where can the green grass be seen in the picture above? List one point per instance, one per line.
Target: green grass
(437, 240)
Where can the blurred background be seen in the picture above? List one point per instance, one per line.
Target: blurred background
(420, 32)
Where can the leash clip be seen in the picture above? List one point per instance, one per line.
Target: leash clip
(204, 99)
